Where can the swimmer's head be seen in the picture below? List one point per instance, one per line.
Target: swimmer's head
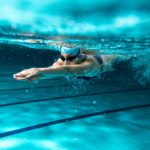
(70, 51)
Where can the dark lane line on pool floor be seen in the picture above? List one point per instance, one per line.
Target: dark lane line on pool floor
(74, 96)
(29, 128)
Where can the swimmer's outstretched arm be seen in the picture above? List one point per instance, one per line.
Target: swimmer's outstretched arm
(73, 70)
(54, 71)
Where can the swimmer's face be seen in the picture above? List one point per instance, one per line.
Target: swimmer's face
(68, 59)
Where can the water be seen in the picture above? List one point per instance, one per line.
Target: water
(73, 114)
(74, 17)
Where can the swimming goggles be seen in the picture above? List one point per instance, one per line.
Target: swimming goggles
(69, 58)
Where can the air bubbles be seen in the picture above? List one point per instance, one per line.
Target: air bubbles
(94, 102)
(27, 91)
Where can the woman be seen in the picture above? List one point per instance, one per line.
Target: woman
(72, 62)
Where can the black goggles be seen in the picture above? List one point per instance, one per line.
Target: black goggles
(69, 58)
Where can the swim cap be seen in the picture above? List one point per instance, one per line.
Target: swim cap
(71, 51)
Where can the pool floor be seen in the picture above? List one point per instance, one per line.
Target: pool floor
(58, 114)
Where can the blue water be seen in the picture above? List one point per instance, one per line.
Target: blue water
(74, 17)
(107, 113)
(60, 113)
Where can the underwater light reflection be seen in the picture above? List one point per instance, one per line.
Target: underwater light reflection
(74, 17)
(126, 21)
(10, 143)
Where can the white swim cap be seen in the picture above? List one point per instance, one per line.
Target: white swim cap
(71, 51)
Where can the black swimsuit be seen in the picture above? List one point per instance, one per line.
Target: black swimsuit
(99, 60)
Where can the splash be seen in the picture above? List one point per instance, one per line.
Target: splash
(142, 68)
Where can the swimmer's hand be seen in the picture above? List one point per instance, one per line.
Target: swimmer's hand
(28, 74)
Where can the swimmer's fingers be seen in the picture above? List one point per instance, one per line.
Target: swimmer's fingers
(30, 77)
(18, 76)
(28, 74)
(25, 77)
(23, 72)
(21, 76)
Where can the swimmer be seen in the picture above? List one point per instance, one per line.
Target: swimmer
(72, 62)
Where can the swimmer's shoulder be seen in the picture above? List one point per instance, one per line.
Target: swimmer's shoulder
(91, 59)
(59, 62)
